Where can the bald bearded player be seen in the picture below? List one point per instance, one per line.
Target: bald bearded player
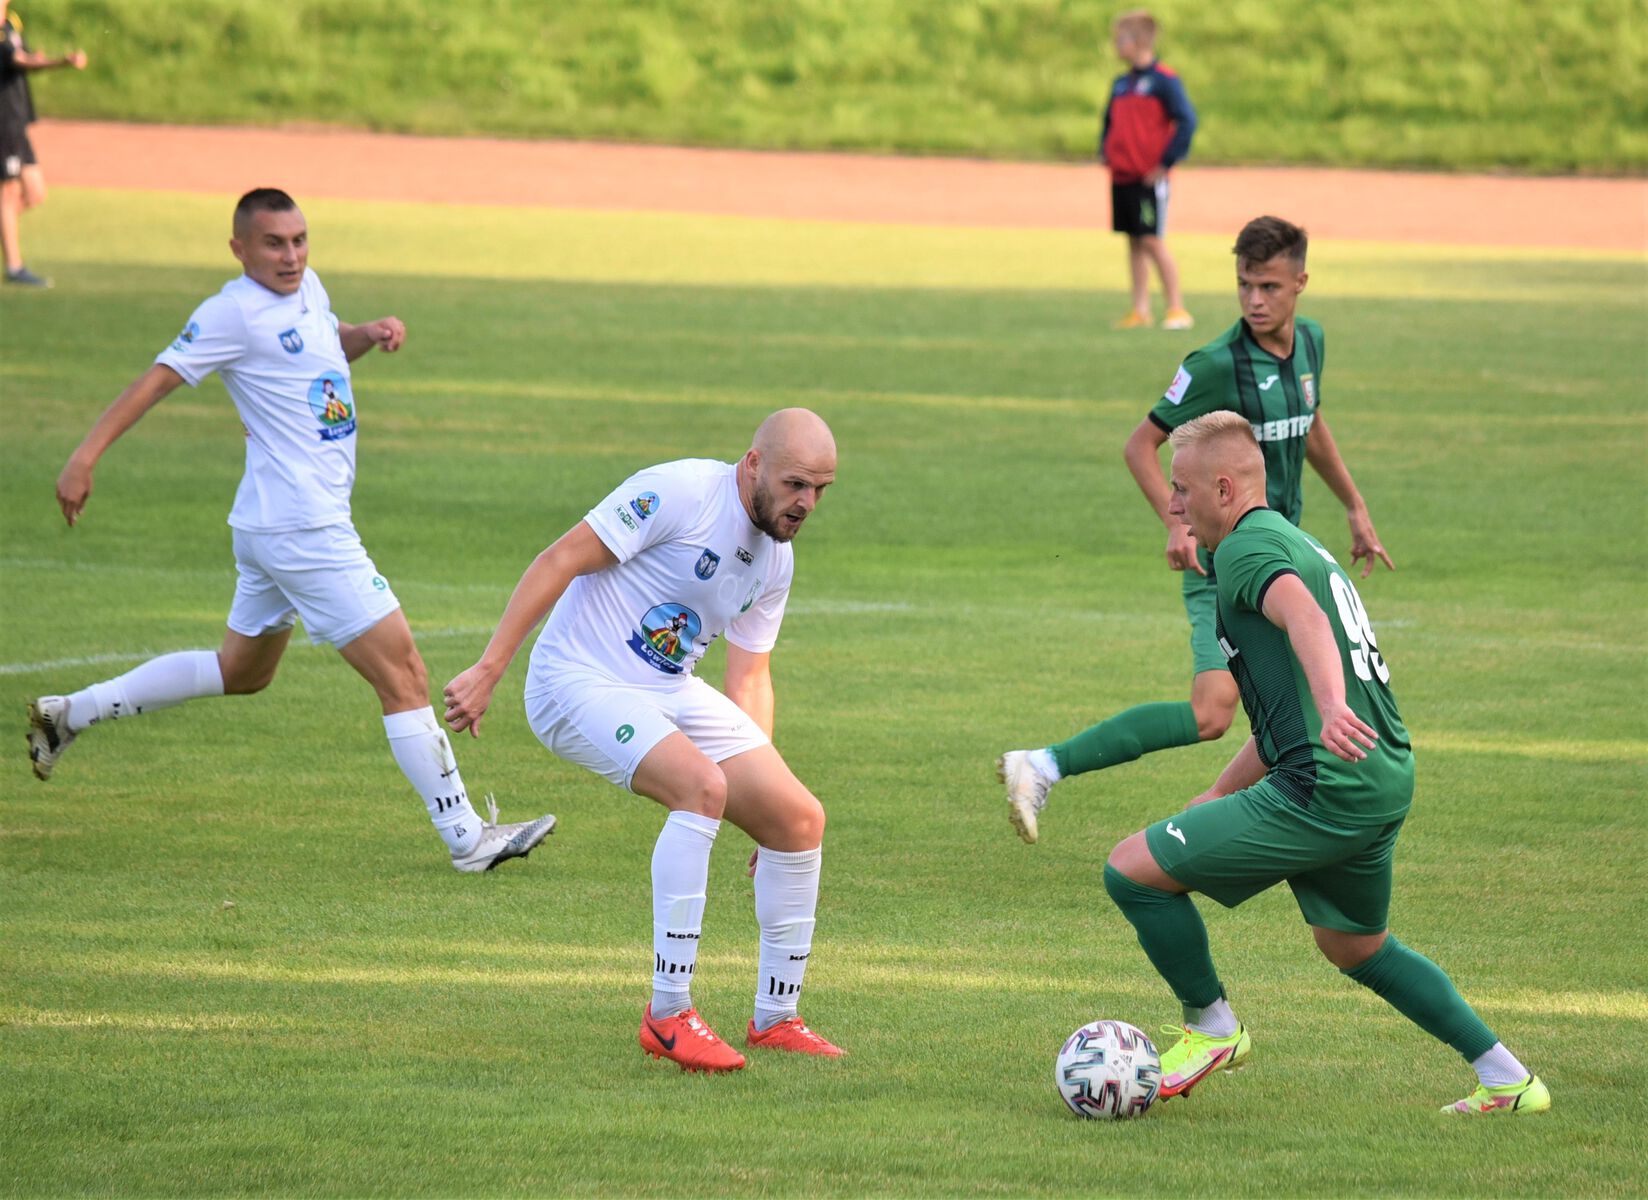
(636, 592)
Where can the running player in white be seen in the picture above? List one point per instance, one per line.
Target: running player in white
(285, 360)
(678, 555)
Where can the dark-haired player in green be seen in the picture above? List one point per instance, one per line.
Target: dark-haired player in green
(1315, 798)
(1268, 368)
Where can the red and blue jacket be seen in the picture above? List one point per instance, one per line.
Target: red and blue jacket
(1147, 124)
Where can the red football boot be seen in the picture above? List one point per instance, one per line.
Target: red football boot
(685, 1040)
(792, 1035)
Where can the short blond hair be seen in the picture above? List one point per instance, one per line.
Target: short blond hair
(1136, 24)
(1214, 427)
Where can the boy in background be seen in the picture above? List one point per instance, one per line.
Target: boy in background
(1148, 124)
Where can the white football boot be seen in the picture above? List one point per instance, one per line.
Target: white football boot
(49, 733)
(501, 842)
(1027, 790)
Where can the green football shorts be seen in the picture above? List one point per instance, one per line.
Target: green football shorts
(1201, 601)
(1239, 845)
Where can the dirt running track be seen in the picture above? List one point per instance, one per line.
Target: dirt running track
(1591, 214)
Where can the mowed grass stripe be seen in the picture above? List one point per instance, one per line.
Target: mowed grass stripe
(185, 229)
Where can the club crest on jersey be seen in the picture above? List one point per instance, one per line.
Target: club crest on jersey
(1307, 385)
(292, 342)
(744, 556)
(186, 339)
(666, 636)
(646, 504)
(706, 564)
(333, 406)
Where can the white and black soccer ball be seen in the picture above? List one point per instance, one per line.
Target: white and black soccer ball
(1108, 1070)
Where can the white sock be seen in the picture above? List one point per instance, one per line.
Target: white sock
(680, 873)
(159, 683)
(1499, 1067)
(1216, 1020)
(424, 755)
(786, 897)
(1045, 763)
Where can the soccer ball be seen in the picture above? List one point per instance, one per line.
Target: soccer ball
(1108, 1070)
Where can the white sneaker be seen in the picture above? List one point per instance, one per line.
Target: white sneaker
(49, 733)
(500, 842)
(1027, 790)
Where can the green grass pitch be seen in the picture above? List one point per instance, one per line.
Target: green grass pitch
(233, 960)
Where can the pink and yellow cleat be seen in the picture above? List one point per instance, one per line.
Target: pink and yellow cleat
(1529, 1096)
(1195, 1056)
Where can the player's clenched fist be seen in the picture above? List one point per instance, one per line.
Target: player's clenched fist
(387, 333)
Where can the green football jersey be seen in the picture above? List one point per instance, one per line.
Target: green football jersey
(1278, 396)
(1286, 725)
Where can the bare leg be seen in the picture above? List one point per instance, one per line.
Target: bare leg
(1213, 697)
(388, 659)
(11, 207)
(1138, 263)
(1156, 250)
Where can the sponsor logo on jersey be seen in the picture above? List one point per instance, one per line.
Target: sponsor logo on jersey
(706, 564)
(1230, 651)
(1282, 430)
(645, 504)
(744, 556)
(1176, 390)
(629, 521)
(755, 590)
(666, 636)
(1307, 384)
(186, 339)
(1269, 383)
(333, 406)
(292, 342)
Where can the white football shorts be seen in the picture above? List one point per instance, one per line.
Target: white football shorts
(609, 727)
(321, 575)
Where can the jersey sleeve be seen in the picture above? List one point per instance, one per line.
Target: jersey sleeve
(1183, 115)
(214, 338)
(1247, 564)
(756, 628)
(1203, 385)
(645, 510)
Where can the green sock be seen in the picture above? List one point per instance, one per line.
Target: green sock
(1422, 992)
(1172, 934)
(1142, 729)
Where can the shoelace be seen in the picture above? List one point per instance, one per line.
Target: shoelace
(699, 1028)
(491, 809)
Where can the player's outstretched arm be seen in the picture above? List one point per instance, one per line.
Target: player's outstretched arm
(576, 552)
(74, 483)
(1323, 453)
(1290, 607)
(387, 332)
(1143, 457)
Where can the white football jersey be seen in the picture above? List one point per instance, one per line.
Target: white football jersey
(690, 567)
(284, 366)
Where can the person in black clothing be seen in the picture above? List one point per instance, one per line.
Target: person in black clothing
(22, 185)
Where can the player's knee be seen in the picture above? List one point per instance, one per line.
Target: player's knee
(704, 793)
(1347, 951)
(246, 679)
(807, 821)
(1211, 723)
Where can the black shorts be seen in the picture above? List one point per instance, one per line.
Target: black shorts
(1139, 209)
(16, 152)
